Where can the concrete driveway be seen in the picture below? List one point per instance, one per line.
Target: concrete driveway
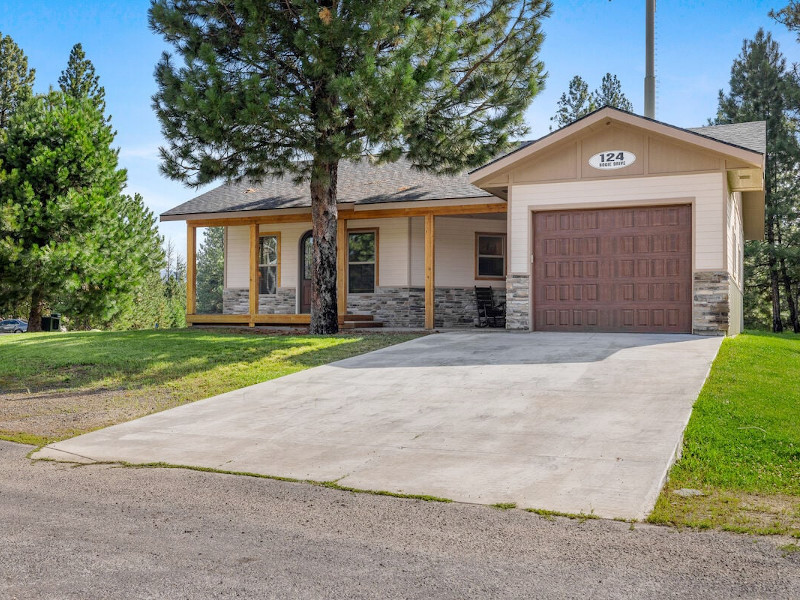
(566, 422)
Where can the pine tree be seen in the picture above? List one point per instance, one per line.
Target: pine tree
(69, 238)
(610, 94)
(574, 103)
(292, 88)
(578, 102)
(210, 265)
(16, 81)
(762, 88)
(79, 80)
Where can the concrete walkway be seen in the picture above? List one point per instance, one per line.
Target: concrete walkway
(566, 422)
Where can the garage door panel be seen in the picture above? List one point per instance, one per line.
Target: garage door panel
(613, 270)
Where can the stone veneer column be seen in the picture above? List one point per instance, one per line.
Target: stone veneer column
(711, 303)
(518, 302)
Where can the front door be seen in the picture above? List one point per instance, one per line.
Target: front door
(306, 248)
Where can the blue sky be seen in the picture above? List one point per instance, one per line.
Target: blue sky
(696, 43)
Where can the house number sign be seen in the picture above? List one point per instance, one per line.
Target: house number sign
(612, 159)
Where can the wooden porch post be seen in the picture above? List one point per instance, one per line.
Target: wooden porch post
(342, 248)
(430, 271)
(191, 269)
(253, 273)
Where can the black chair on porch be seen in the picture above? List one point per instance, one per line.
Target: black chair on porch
(490, 313)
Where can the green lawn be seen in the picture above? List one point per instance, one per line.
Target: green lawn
(742, 445)
(56, 385)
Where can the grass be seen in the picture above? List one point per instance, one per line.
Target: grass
(334, 485)
(504, 505)
(552, 514)
(789, 549)
(56, 385)
(742, 444)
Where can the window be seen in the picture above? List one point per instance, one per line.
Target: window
(268, 252)
(362, 261)
(490, 255)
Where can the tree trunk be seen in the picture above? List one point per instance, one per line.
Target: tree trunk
(777, 324)
(35, 315)
(324, 309)
(787, 288)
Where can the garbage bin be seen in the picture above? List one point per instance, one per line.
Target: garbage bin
(51, 323)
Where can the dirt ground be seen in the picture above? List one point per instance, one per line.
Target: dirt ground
(62, 413)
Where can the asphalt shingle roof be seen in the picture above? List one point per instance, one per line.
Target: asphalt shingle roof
(751, 136)
(360, 182)
(363, 182)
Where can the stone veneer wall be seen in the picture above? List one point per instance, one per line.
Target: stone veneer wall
(392, 306)
(456, 307)
(518, 302)
(405, 306)
(711, 303)
(735, 316)
(236, 301)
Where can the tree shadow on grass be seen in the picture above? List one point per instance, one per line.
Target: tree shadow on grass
(136, 359)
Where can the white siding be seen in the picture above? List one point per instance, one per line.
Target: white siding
(237, 257)
(455, 250)
(735, 236)
(392, 252)
(399, 256)
(417, 249)
(706, 190)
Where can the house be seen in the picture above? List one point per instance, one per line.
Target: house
(615, 222)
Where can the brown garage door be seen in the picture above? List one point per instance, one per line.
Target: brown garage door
(621, 269)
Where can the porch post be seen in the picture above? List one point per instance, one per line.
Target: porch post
(253, 273)
(430, 271)
(341, 266)
(191, 268)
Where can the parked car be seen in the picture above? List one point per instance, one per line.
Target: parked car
(13, 326)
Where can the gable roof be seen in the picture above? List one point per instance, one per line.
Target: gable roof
(364, 182)
(746, 141)
(360, 182)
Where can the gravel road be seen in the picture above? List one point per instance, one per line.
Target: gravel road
(112, 532)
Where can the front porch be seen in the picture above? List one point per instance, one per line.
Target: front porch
(407, 291)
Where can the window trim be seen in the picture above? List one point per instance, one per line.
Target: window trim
(501, 234)
(376, 231)
(277, 235)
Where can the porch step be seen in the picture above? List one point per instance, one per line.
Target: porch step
(358, 317)
(358, 321)
(360, 324)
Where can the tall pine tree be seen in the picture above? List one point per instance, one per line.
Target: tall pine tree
(575, 103)
(762, 88)
(69, 238)
(16, 80)
(79, 79)
(293, 87)
(610, 94)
